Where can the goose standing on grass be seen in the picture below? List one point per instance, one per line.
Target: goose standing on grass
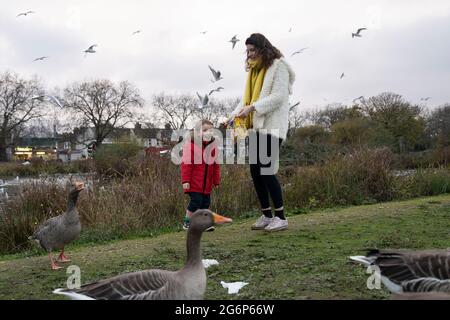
(411, 271)
(57, 232)
(189, 283)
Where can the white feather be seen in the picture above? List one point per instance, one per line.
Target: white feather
(362, 259)
(72, 295)
(391, 286)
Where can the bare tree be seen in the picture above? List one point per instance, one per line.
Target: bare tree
(176, 111)
(217, 110)
(103, 105)
(334, 113)
(297, 119)
(17, 106)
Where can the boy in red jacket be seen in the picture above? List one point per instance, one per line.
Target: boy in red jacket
(200, 171)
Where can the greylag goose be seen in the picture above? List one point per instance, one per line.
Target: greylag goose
(189, 283)
(411, 271)
(57, 232)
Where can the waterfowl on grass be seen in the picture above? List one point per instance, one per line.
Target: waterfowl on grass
(189, 283)
(411, 271)
(57, 232)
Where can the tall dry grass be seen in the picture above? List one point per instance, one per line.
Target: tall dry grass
(149, 197)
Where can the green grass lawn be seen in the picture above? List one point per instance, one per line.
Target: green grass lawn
(307, 261)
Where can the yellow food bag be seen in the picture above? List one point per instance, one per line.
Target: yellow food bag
(239, 128)
(241, 125)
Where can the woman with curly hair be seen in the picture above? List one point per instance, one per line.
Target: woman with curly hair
(265, 109)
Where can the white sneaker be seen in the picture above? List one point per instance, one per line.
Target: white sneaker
(261, 223)
(277, 224)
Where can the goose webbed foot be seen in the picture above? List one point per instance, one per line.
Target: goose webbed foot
(62, 258)
(54, 266)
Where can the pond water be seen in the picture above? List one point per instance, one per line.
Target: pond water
(10, 187)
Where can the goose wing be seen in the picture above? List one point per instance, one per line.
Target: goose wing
(400, 266)
(46, 224)
(141, 285)
(426, 285)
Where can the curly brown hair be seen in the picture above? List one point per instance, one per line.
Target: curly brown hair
(264, 48)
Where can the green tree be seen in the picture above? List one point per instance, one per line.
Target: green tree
(401, 119)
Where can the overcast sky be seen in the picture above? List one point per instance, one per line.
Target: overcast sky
(406, 48)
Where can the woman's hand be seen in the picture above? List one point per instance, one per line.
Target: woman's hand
(245, 111)
(226, 123)
(186, 185)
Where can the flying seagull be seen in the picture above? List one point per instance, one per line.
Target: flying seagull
(203, 32)
(136, 32)
(90, 50)
(293, 106)
(290, 29)
(234, 40)
(299, 51)
(216, 74)
(217, 89)
(342, 75)
(203, 100)
(425, 99)
(40, 58)
(359, 98)
(25, 13)
(358, 33)
(52, 99)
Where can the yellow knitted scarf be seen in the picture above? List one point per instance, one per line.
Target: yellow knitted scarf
(253, 87)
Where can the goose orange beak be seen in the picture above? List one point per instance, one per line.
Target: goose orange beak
(79, 185)
(218, 219)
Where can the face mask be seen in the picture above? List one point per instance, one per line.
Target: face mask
(207, 135)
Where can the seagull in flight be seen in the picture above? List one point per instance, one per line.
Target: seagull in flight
(203, 32)
(234, 40)
(90, 50)
(342, 75)
(217, 89)
(359, 98)
(293, 106)
(216, 74)
(52, 99)
(25, 13)
(358, 33)
(425, 99)
(290, 29)
(136, 32)
(299, 51)
(203, 100)
(40, 58)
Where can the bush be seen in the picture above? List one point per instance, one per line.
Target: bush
(149, 196)
(115, 159)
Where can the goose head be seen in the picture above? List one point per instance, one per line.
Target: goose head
(202, 219)
(75, 189)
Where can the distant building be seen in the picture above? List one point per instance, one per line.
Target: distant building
(28, 148)
(80, 144)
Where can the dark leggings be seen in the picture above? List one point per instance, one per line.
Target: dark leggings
(198, 201)
(266, 184)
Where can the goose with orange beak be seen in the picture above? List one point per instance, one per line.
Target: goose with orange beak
(57, 232)
(188, 283)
